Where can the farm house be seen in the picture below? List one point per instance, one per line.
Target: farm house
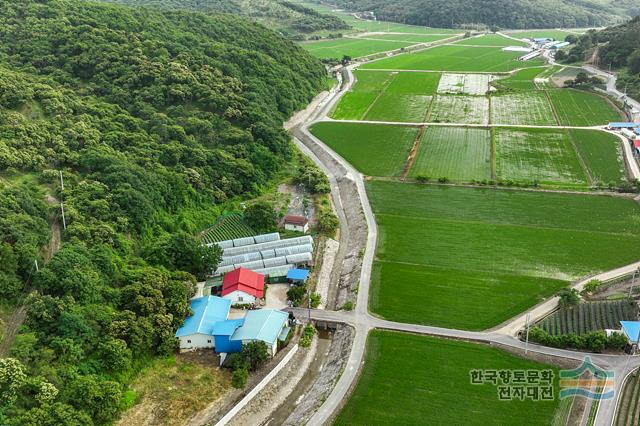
(197, 330)
(296, 223)
(266, 325)
(243, 286)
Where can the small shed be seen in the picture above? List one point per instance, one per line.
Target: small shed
(297, 276)
(296, 223)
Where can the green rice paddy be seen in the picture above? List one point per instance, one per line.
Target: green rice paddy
(491, 40)
(410, 380)
(545, 156)
(521, 80)
(472, 258)
(579, 108)
(388, 96)
(353, 47)
(387, 147)
(459, 154)
(601, 153)
(455, 58)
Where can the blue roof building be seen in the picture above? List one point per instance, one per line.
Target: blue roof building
(266, 325)
(623, 125)
(222, 332)
(197, 330)
(298, 275)
(631, 329)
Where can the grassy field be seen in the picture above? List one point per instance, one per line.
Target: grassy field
(460, 109)
(530, 108)
(601, 153)
(458, 154)
(173, 389)
(387, 147)
(455, 58)
(410, 380)
(472, 258)
(491, 40)
(578, 108)
(521, 80)
(589, 316)
(542, 155)
(353, 47)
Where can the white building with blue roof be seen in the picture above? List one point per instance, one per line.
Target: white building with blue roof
(266, 325)
(197, 332)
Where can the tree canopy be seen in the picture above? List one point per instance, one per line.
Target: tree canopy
(499, 13)
(157, 119)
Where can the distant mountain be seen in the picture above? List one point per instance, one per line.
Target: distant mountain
(502, 13)
(284, 16)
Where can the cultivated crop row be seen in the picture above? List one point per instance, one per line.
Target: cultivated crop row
(227, 228)
(590, 316)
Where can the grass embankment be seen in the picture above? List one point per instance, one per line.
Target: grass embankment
(409, 379)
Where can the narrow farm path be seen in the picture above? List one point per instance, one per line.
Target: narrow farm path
(412, 154)
(362, 321)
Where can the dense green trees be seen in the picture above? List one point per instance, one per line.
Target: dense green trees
(618, 48)
(286, 16)
(500, 13)
(261, 216)
(156, 118)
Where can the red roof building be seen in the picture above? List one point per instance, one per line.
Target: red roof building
(636, 143)
(295, 220)
(243, 280)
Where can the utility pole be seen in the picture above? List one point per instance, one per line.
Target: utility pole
(64, 221)
(36, 262)
(526, 344)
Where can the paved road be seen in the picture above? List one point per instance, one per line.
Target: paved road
(362, 321)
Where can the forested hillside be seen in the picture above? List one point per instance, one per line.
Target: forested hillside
(500, 13)
(156, 118)
(285, 16)
(619, 48)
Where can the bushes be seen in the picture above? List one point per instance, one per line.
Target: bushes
(591, 286)
(239, 378)
(297, 294)
(252, 357)
(347, 306)
(568, 297)
(594, 341)
(307, 336)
